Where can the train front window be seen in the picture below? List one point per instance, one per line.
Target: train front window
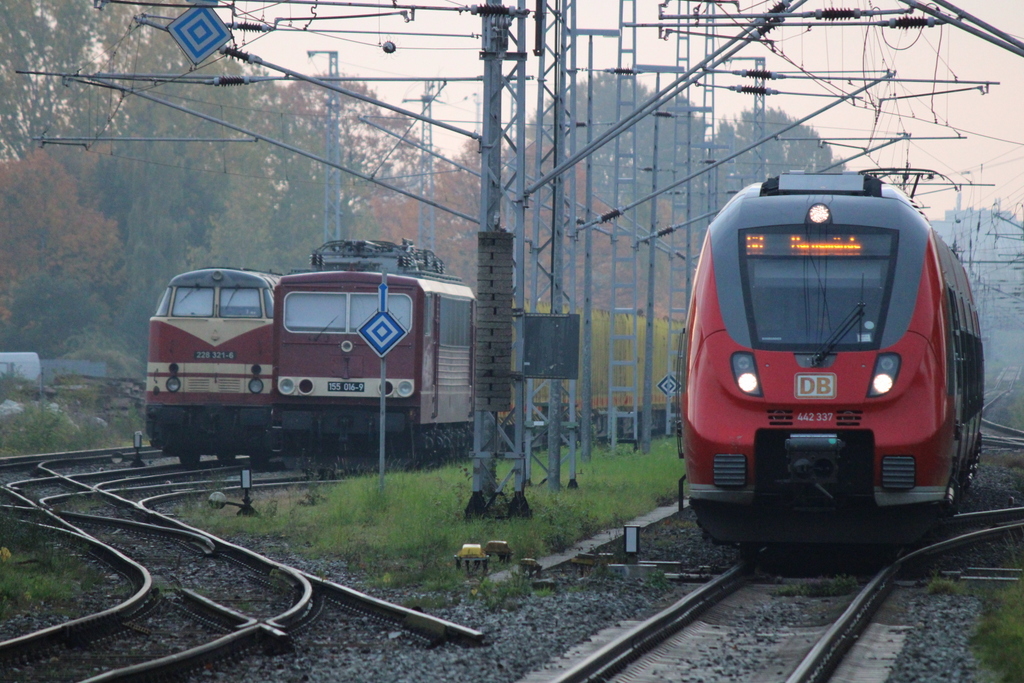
(801, 286)
(165, 303)
(320, 312)
(240, 302)
(193, 302)
(365, 305)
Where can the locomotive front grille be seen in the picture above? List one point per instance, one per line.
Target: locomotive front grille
(230, 386)
(780, 417)
(198, 384)
(899, 472)
(848, 418)
(730, 469)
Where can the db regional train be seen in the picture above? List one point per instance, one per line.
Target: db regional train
(210, 370)
(832, 368)
(328, 381)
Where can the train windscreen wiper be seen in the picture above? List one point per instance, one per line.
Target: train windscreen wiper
(852, 319)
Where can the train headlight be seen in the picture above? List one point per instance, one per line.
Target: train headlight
(286, 386)
(256, 385)
(887, 367)
(173, 384)
(744, 371)
(819, 213)
(405, 388)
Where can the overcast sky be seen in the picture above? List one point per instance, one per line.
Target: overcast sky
(992, 153)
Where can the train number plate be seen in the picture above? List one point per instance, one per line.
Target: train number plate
(354, 387)
(215, 355)
(817, 385)
(814, 417)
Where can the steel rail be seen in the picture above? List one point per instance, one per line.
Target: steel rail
(826, 654)
(640, 639)
(434, 627)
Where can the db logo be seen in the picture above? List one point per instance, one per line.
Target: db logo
(815, 386)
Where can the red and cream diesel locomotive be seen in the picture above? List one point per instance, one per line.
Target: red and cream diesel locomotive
(210, 365)
(327, 387)
(832, 367)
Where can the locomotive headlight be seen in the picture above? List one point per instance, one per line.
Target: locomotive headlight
(744, 371)
(405, 388)
(819, 213)
(887, 367)
(256, 385)
(286, 386)
(173, 384)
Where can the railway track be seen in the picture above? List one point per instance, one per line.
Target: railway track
(769, 638)
(185, 599)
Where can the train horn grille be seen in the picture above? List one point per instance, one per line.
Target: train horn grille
(848, 418)
(780, 417)
(899, 472)
(730, 469)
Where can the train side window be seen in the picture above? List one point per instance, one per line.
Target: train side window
(456, 321)
(268, 303)
(239, 302)
(428, 315)
(164, 305)
(365, 305)
(321, 312)
(193, 302)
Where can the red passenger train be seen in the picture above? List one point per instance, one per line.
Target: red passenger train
(832, 367)
(210, 365)
(327, 389)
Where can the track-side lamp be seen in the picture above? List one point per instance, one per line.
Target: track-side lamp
(137, 442)
(631, 542)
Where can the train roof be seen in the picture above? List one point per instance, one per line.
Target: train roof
(224, 277)
(372, 256)
(334, 277)
(854, 199)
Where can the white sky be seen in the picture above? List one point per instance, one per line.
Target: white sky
(993, 152)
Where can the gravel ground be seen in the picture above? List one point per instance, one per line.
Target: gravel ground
(529, 631)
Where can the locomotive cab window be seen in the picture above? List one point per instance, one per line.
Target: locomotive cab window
(801, 286)
(193, 302)
(339, 312)
(165, 303)
(240, 302)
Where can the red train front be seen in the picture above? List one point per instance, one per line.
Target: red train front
(326, 405)
(832, 368)
(211, 364)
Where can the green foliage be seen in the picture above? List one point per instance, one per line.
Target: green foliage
(999, 641)
(47, 429)
(941, 585)
(411, 530)
(34, 569)
(820, 588)
(502, 595)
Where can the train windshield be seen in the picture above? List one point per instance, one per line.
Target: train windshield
(193, 302)
(805, 288)
(240, 302)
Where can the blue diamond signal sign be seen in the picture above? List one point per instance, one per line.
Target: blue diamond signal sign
(199, 32)
(382, 332)
(669, 385)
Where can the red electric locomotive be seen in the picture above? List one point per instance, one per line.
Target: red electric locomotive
(326, 403)
(210, 365)
(832, 367)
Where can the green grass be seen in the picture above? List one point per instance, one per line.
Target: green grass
(820, 588)
(34, 570)
(999, 641)
(408, 534)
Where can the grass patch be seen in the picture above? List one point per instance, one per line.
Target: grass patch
(999, 641)
(942, 585)
(820, 588)
(408, 534)
(34, 569)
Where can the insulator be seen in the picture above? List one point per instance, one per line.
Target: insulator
(835, 14)
(230, 80)
(483, 10)
(912, 22)
(622, 72)
(758, 73)
(779, 8)
(250, 26)
(753, 90)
